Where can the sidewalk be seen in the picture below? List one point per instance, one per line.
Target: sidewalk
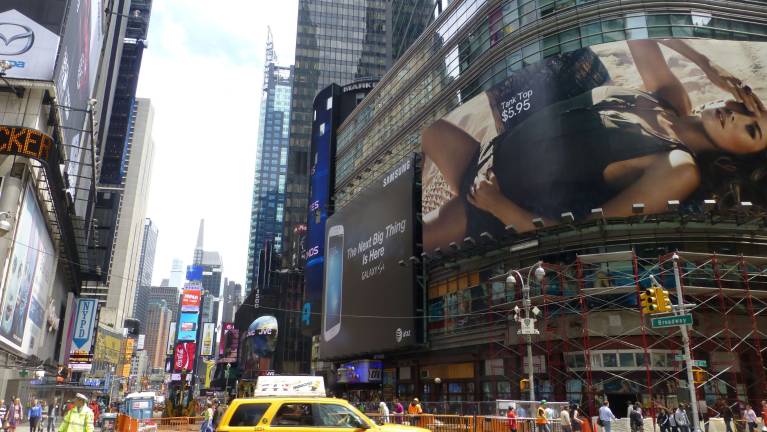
(24, 427)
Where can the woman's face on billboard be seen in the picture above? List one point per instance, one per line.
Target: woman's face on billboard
(734, 129)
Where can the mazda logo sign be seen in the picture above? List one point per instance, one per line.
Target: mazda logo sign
(15, 39)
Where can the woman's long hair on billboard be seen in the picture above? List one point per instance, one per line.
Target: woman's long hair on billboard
(732, 179)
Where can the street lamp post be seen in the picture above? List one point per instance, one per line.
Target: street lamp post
(681, 310)
(527, 324)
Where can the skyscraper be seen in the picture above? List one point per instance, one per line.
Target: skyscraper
(130, 193)
(374, 34)
(158, 319)
(177, 274)
(232, 300)
(267, 211)
(170, 295)
(145, 269)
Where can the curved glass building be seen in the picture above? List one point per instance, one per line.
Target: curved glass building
(605, 140)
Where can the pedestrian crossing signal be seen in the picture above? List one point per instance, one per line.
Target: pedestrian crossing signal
(649, 301)
(698, 376)
(524, 384)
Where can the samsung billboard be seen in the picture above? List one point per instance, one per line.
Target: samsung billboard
(611, 130)
(369, 298)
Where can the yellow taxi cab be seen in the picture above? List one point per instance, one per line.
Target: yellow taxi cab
(300, 414)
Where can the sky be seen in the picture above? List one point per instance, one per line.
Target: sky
(203, 71)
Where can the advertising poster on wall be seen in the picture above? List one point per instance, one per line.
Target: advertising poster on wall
(183, 357)
(321, 175)
(605, 127)
(28, 46)
(208, 332)
(229, 343)
(171, 339)
(28, 280)
(187, 327)
(190, 300)
(75, 78)
(365, 240)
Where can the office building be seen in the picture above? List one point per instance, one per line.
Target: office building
(117, 294)
(177, 274)
(268, 206)
(231, 301)
(158, 319)
(375, 33)
(575, 249)
(170, 295)
(146, 266)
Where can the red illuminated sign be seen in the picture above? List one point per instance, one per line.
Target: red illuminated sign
(190, 300)
(183, 357)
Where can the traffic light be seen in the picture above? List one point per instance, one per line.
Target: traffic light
(698, 376)
(524, 385)
(664, 302)
(649, 301)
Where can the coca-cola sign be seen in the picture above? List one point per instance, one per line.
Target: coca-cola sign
(183, 358)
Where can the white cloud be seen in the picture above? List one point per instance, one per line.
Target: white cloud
(203, 72)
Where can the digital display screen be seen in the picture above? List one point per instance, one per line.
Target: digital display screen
(334, 280)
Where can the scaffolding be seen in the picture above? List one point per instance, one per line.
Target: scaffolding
(596, 343)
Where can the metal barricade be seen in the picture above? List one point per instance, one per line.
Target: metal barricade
(170, 424)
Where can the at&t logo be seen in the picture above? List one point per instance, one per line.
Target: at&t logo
(400, 335)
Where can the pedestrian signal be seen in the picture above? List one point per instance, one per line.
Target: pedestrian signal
(664, 302)
(649, 301)
(524, 384)
(698, 376)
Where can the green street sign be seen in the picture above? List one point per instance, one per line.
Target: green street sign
(671, 321)
(679, 357)
(700, 363)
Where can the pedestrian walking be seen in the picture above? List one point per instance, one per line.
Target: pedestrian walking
(565, 421)
(750, 416)
(541, 418)
(606, 416)
(79, 418)
(635, 419)
(512, 422)
(764, 415)
(415, 407)
(15, 415)
(681, 419)
(3, 412)
(35, 414)
(53, 415)
(207, 418)
(399, 410)
(726, 414)
(576, 422)
(664, 421)
(383, 411)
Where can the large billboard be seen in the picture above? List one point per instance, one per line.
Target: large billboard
(208, 333)
(75, 78)
(229, 343)
(28, 279)
(611, 130)
(321, 175)
(187, 326)
(183, 357)
(27, 46)
(190, 300)
(368, 301)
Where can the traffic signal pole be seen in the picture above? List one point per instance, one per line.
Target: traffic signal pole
(680, 310)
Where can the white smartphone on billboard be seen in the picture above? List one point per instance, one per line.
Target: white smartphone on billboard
(334, 277)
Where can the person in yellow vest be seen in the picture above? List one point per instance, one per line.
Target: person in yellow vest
(79, 418)
(541, 418)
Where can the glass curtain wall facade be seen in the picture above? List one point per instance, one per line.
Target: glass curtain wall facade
(594, 342)
(145, 270)
(338, 41)
(268, 208)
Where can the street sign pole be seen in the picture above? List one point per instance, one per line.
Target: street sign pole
(686, 345)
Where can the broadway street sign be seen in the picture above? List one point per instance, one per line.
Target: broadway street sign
(671, 321)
